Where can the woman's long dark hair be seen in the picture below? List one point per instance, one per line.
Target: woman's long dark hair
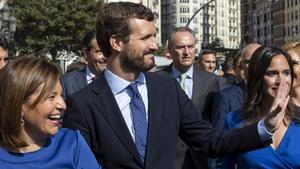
(259, 63)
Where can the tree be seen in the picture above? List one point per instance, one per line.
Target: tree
(161, 50)
(216, 44)
(49, 26)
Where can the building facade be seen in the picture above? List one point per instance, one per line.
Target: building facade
(247, 11)
(220, 19)
(263, 23)
(270, 21)
(278, 23)
(292, 20)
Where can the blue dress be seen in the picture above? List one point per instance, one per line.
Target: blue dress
(287, 154)
(65, 150)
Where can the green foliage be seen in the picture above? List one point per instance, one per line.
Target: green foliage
(48, 26)
(160, 52)
(215, 44)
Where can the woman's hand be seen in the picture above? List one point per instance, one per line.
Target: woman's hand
(278, 108)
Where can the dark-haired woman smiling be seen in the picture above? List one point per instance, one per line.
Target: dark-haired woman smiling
(31, 108)
(270, 79)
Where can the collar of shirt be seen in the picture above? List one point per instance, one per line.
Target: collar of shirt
(89, 75)
(118, 84)
(123, 98)
(176, 73)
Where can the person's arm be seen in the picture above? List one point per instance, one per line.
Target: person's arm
(201, 136)
(84, 156)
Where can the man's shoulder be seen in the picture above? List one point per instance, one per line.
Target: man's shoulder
(73, 74)
(165, 71)
(231, 90)
(159, 76)
(201, 72)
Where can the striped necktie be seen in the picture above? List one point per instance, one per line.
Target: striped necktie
(182, 78)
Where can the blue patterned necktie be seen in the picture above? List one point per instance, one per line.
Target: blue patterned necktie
(139, 120)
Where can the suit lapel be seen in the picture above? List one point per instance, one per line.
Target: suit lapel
(155, 112)
(109, 108)
(198, 79)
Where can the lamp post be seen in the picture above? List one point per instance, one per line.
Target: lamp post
(189, 21)
(8, 23)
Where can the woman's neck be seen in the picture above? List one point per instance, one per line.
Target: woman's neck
(35, 141)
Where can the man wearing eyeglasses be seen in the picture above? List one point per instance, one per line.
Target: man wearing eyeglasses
(233, 97)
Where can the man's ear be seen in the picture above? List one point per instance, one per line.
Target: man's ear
(85, 52)
(116, 43)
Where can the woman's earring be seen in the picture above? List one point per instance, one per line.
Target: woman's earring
(22, 119)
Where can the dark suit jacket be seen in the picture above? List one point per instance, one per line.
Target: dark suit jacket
(94, 111)
(227, 100)
(73, 81)
(205, 85)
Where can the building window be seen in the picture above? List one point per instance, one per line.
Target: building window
(265, 18)
(196, 30)
(183, 19)
(184, 1)
(184, 10)
(195, 20)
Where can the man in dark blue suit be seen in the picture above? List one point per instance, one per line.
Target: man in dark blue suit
(131, 118)
(231, 98)
(96, 62)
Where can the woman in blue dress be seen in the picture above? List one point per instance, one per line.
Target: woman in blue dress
(31, 109)
(270, 69)
(293, 48)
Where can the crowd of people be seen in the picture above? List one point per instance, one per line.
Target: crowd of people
(113, 111)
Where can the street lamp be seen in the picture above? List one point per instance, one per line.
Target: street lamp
(198, 12)
(8, 23)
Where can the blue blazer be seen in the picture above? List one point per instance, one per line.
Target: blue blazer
(73, 81)
(227, 100)
(94, 111)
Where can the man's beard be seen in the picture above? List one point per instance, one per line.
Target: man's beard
(138, 64)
